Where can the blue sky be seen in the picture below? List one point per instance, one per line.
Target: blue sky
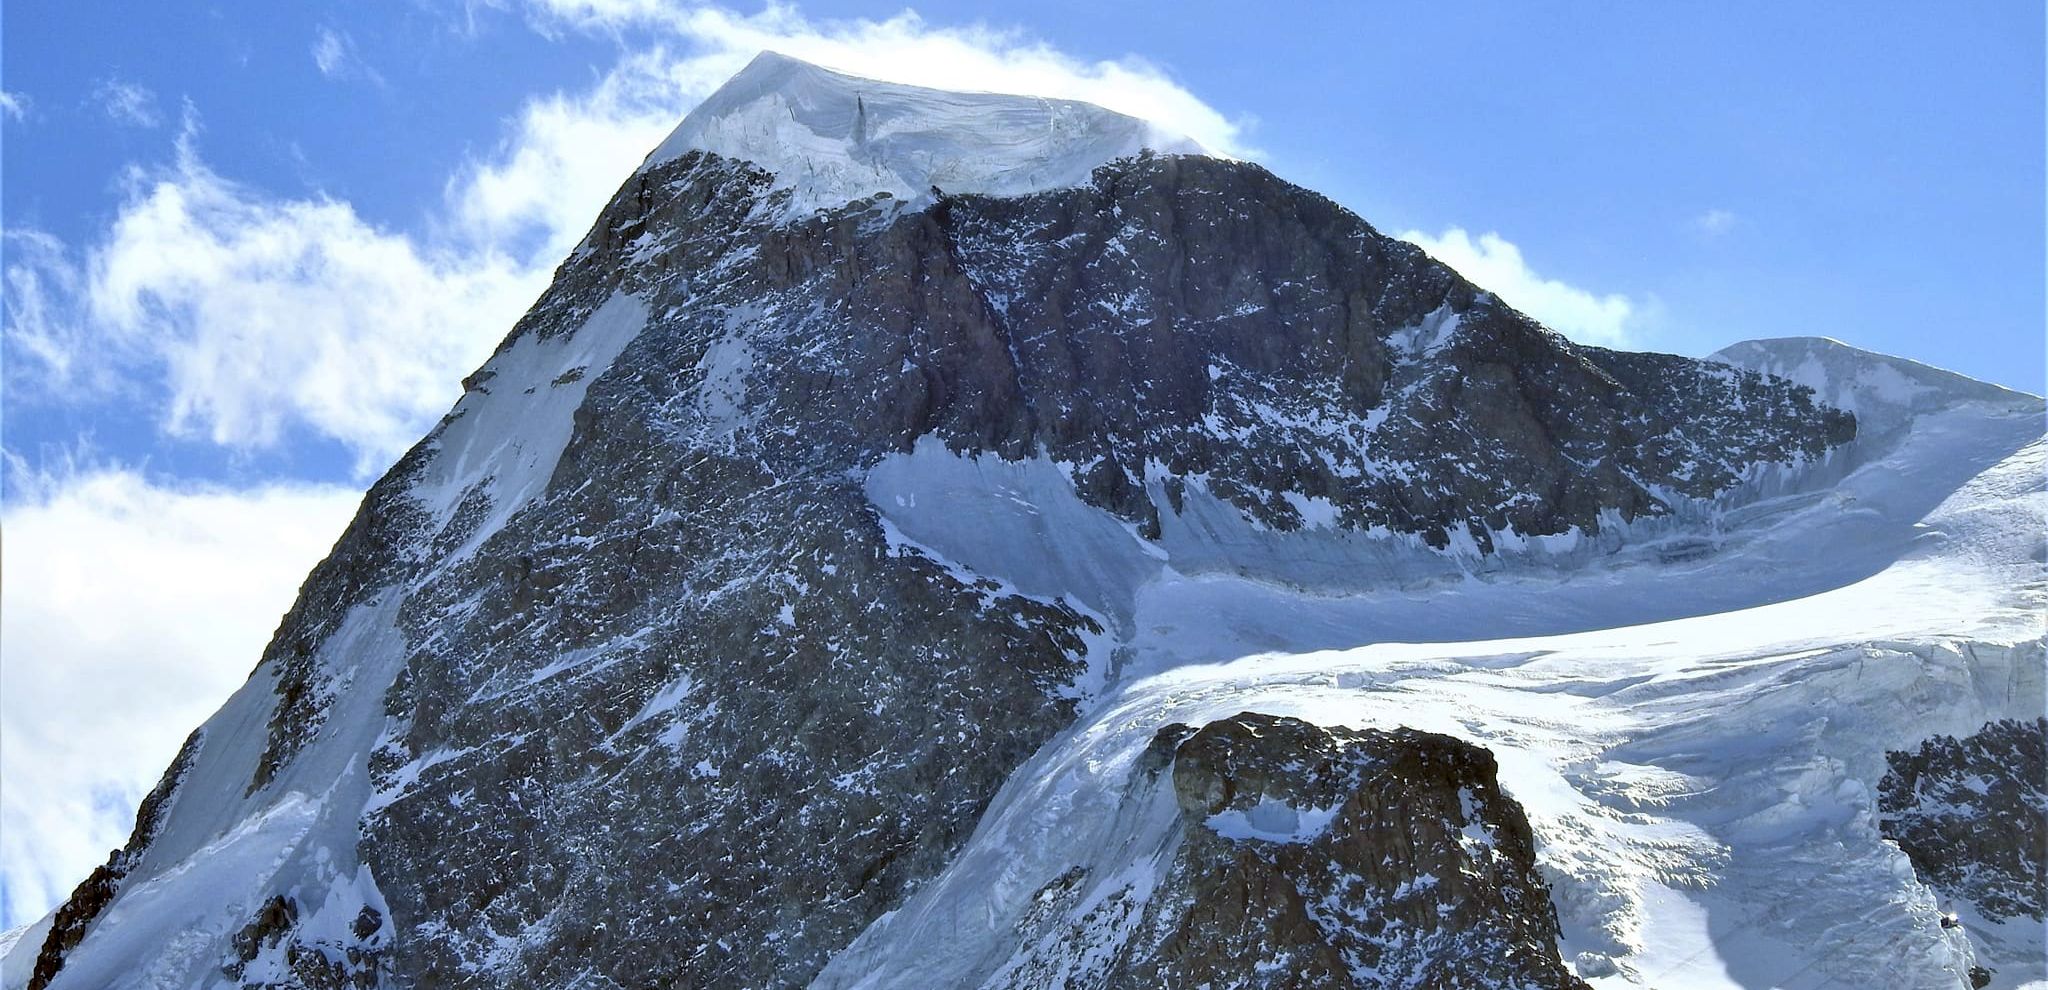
(251, 249)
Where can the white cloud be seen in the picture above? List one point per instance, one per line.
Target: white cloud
(567, 154)
(330, 52)
(41, 287)
(262, 314)
(1496, 264)
(1715, 222)
(132, 610)
(127, 103)
(14, 105)
(906, 49)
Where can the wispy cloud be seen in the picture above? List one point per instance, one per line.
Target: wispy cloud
(330, 52)
(1715, 222)
(259, 315)
(336, 56)
(133, 608)
(14, 105)
(43, 289)
(1496, 264)
(127, 103)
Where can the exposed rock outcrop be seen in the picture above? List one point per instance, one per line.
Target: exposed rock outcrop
(793, 720)
(1316, 857)
(1972, 815)
(273, 950)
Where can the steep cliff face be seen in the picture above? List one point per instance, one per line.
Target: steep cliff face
(1972, 815)
(624, 677)
(1191, 321)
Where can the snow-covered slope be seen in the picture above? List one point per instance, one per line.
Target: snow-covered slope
(1883, 391)
(832, 138)
(1702, 790)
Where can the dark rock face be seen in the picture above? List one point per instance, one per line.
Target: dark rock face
(1317, 857)
(1972, 815)
(380, 548)
(842, 713)
(86, 902)
(1219, 321)
(690, 718)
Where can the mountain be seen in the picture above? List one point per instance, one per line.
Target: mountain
(945, 540)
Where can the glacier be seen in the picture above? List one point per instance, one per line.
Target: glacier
(1697, 744)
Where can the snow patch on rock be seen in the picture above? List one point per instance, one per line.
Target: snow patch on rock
(1272, 821)
(1020, 522)
(505, 435)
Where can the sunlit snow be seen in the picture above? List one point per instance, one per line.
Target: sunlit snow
(832, 138)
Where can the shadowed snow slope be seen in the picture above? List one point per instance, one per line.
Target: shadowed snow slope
(832, 138)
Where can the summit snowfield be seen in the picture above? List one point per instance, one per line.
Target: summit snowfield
(833, 138)
(1094, 563)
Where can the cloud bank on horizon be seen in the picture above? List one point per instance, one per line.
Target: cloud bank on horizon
(133, 608)
(234, 318)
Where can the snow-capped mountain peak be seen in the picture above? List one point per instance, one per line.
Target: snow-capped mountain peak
(1159, 580)
(1884, 391)
(833, 138)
